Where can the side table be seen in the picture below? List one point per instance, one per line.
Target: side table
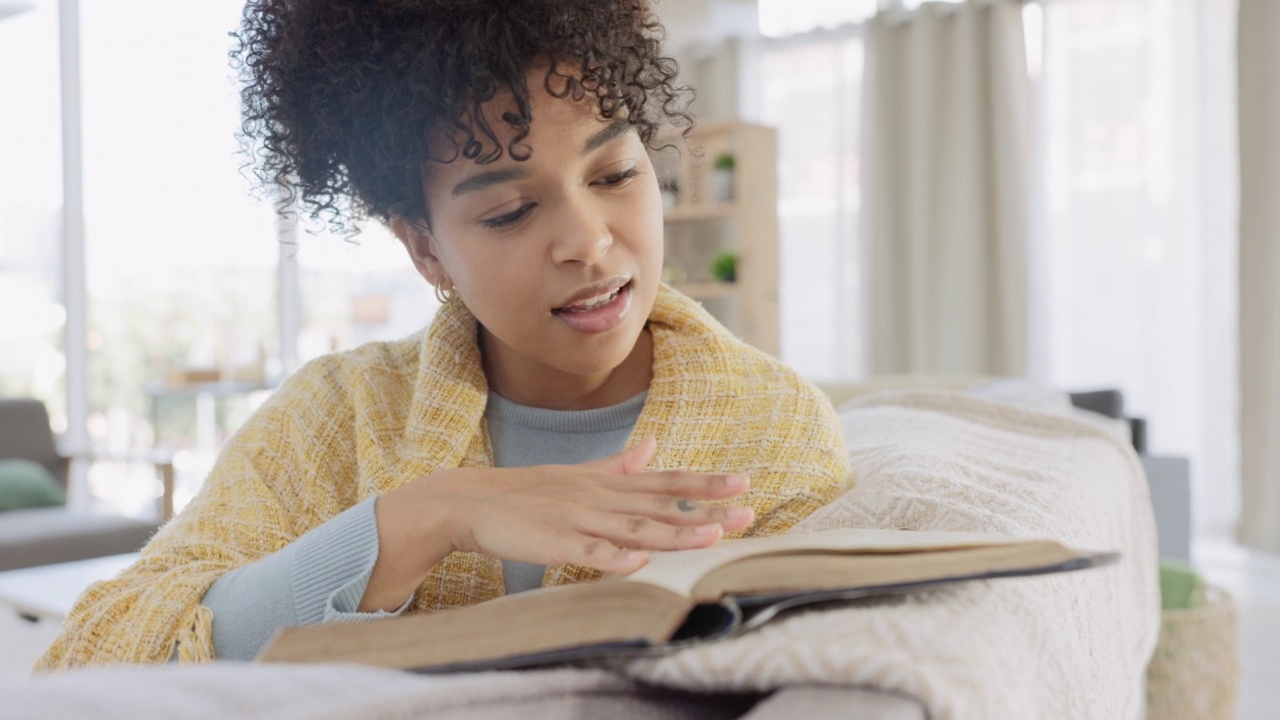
(47, 592)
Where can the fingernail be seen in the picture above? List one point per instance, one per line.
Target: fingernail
(736, 481)
(704, 530)
(738, 513)
(636, 556)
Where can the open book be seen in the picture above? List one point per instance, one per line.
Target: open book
(678, 598)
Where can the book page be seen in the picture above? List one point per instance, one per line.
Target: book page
(680, 571)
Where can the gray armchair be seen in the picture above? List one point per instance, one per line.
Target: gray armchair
(1168, 477)
(42, 536)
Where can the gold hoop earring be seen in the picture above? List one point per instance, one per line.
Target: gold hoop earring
(443, 295)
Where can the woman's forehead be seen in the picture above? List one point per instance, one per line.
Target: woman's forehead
(560, 136)
(554, 124)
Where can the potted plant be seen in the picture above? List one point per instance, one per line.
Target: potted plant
(725, 267)
(722, 177)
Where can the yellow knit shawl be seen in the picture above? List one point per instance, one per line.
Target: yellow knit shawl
(352, 425)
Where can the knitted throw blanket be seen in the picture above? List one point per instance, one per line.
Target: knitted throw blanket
(1056, 647)
(1063, 647)
(362, 423)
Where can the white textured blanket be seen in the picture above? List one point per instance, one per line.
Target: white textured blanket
(1067, 646)
(1064, 646)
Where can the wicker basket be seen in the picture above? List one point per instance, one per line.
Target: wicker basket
(1195, 670)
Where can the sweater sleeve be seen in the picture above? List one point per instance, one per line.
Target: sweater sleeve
(320, 577)
(287, 470)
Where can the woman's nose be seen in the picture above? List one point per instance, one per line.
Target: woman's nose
(582, 236)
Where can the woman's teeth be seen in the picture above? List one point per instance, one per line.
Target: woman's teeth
(593, 303)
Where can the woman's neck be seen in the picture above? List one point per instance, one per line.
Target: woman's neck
(537, 385)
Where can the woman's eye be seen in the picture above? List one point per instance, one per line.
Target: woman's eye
(510, 218)
(620, 178)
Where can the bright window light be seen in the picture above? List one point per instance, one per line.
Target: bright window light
(790, 17)
(913, 4)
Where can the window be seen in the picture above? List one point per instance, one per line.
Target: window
(1135, 252)
(1133, 259)
(32, 360)
(358, 290)
(811, 91)
(181, 262)
(193, 300)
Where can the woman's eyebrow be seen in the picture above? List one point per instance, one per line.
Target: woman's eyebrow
(616, 128)
(483, 180)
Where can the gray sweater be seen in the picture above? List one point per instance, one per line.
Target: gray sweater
(321, 576)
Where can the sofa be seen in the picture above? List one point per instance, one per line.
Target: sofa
(1062, 646)
(1168, 477)
(47, 535)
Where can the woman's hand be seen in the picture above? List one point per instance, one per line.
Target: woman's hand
(605, 514)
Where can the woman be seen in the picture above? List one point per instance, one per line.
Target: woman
(564, 414)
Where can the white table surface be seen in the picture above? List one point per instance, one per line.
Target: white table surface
(49, 591)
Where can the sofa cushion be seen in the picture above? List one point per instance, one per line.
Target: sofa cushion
(27, 484)
(25, 435)
(43, 536)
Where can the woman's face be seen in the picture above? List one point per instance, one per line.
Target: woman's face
(558, 256)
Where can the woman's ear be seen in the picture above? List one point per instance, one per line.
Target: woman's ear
(420, 243)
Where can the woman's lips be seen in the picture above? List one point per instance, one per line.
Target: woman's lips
(601, 318)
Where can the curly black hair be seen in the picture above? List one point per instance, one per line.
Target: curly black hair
(340, 97)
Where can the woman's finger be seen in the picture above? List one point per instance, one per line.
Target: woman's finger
(683, 511)
(641, 532)
(599, 553)
(676, 483)
(677, 511)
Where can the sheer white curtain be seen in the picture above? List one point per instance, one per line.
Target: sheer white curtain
(1134, 255)
(947, 167)
(1259, 58)
(1132, 252)
(810, 88)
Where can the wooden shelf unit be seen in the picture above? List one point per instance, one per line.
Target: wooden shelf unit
(702, 225)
